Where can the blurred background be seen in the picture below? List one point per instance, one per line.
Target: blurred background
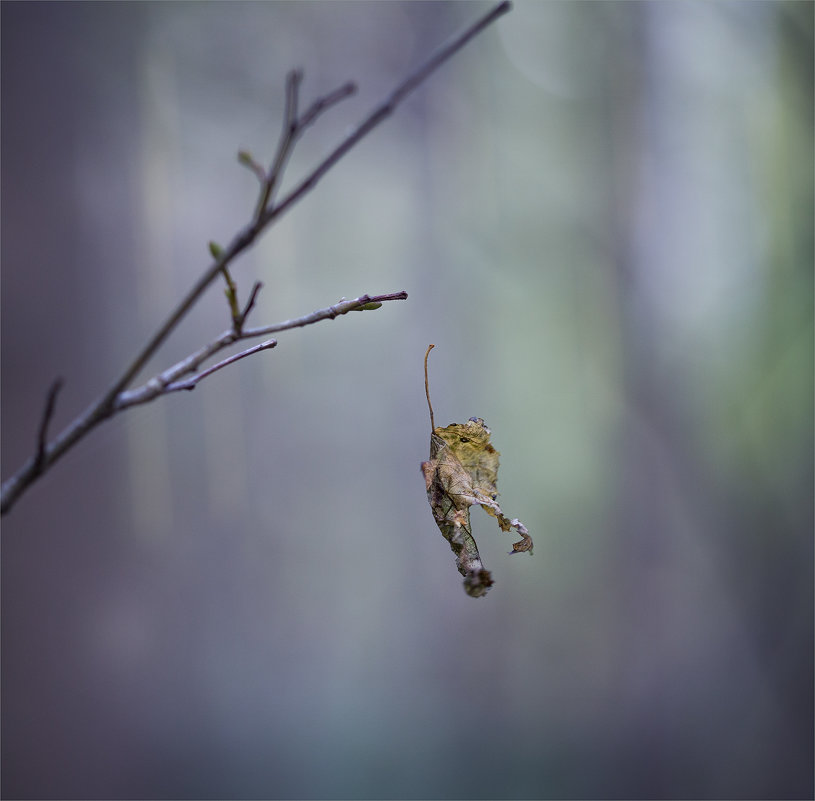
(603, 215)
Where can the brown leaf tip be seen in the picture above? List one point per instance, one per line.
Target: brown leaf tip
(477, 582)
(524, 545)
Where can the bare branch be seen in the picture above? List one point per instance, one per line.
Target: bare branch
(293, 81)
(247, 236)
(47, 414)
(169, 380)
(266, 212)
(191, 383)
(251, 302)
(329, 313)
(284, 146)
(158, 384)
(385, 109)
(293, 128)
(325, 103)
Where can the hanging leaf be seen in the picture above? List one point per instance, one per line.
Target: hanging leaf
(462, 472)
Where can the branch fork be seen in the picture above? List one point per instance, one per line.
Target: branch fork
(267, 209)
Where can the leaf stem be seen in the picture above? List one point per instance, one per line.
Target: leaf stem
(427, 388)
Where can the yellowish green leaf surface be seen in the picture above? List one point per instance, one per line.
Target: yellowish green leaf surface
(462, 472)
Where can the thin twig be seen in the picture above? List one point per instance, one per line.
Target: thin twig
(47, 414)
(293, 81)
(385, 109)
(329, 313)
(158, 384)
(323, 104)
(288, 135)
(293, 128)
(251, 302)
(171, 377)
(107, 404)
(191, 383)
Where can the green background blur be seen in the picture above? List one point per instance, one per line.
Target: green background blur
(603, 215)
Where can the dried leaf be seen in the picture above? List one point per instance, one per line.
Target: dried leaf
(462, 472)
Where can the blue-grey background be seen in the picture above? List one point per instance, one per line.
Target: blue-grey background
(602, 213)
